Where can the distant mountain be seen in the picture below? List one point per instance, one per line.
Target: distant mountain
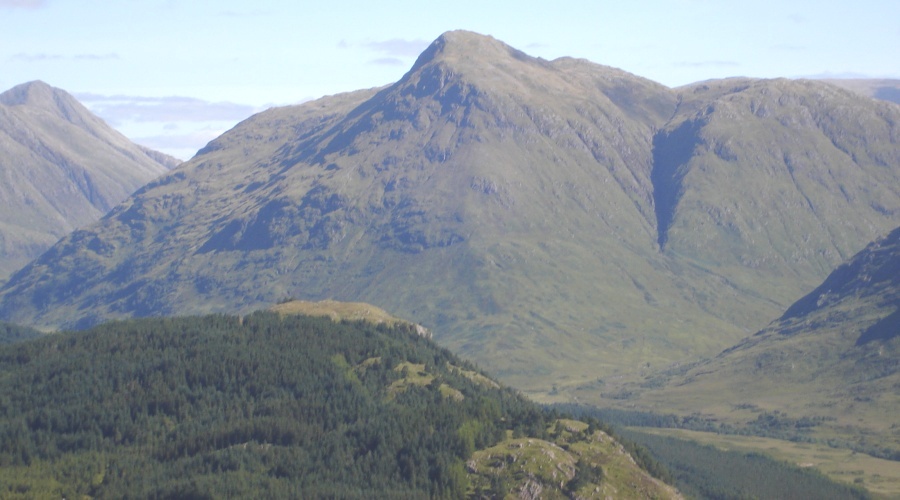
(556, 221)
(62, 168)
(884, 89)
(282, 406)
(832, 361)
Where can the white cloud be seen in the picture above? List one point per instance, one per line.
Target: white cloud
(175, 125)
(118, 109)
(182, 142)
(168, 142)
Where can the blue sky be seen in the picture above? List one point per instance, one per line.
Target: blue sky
(172, 75)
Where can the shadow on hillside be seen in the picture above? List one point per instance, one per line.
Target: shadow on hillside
(884, 330)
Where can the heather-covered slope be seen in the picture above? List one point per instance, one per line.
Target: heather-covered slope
(61, 168)
(557, 221)
(832, 361)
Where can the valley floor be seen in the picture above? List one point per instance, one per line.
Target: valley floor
(880, 477)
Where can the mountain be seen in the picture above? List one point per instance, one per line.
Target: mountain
(884, 89)
(832, 361)
(284, 406)
(555, 221)
(62, 168)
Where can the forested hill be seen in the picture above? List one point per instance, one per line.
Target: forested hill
(10, 333)
(282, 406)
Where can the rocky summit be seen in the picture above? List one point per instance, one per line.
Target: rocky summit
(555, 221)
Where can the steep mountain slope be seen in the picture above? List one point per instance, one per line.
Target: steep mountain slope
(558, 221)
(833, 360)
(62, 168)
(282, 406)
(776, 182)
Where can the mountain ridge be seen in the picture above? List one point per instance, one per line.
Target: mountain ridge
(511, 205)
(62, 168)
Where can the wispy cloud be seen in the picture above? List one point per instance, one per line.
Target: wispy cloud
(190, 141)
(118, 109)
(175, 125)
(25, 57)
(22, 4)
(180, 145)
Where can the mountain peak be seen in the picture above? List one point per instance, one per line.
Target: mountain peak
(33, 92)
(38, 94)
(63, 168)
(460, 45)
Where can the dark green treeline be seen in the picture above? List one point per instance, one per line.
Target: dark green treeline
(221, 406)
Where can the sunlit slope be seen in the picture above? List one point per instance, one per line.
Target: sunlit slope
(61, 168)
(832, 360)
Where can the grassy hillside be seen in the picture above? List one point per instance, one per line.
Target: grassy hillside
(826, 372)
(270, 405)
